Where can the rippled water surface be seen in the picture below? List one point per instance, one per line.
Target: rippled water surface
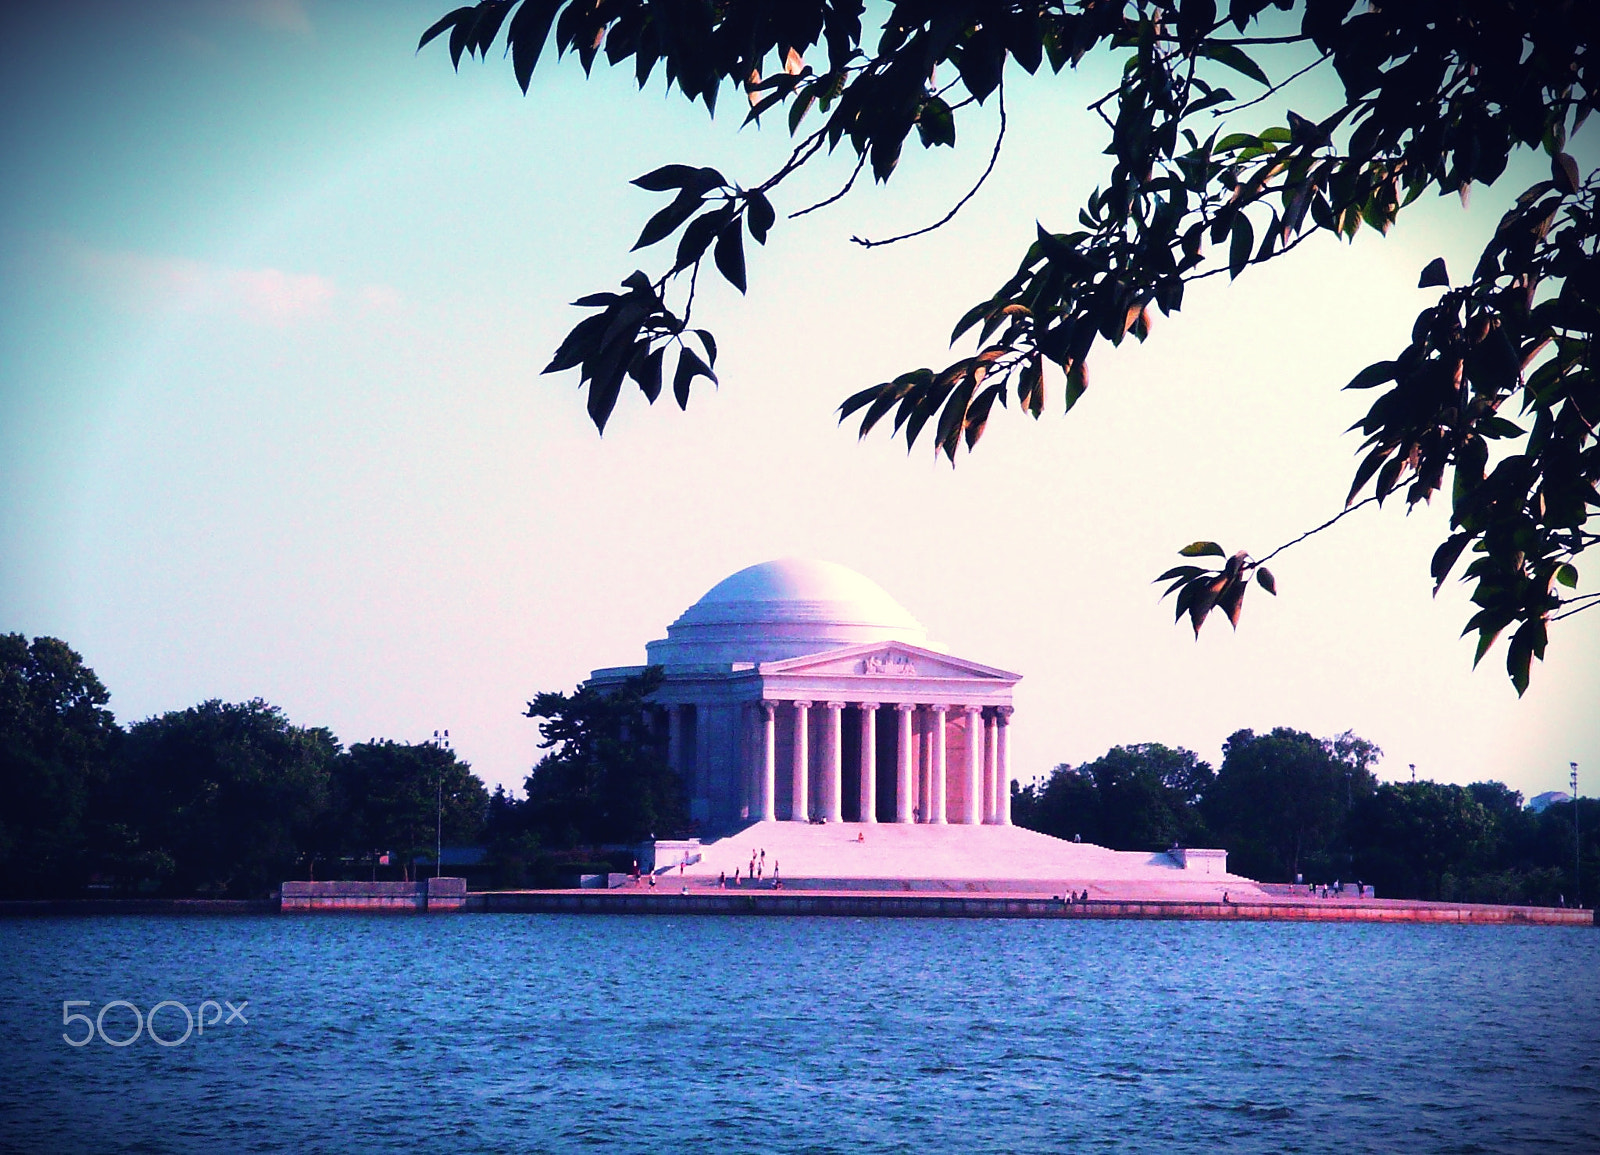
(553, 1033)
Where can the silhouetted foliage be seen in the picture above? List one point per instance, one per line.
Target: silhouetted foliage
(390, 797)
(1142, 797)
(232, 794)
(1281, 800)
(56, 741)
(606, 777)
(1427, 94)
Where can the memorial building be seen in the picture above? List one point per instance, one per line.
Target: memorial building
(800, 691)
(816, 725)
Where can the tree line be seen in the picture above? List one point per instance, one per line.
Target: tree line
(1288, 806)
(223, 799)
(230, 799)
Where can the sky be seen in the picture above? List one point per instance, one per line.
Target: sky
(275, 291)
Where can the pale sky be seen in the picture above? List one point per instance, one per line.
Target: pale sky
(274, 297)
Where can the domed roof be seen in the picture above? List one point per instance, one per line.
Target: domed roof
(783, 609)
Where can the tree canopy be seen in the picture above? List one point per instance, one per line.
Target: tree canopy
(1143, 797)
(1433, 94)
(606, 778)
(56, 740)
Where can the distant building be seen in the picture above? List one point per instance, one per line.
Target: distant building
(798, 690)
(1539, 803)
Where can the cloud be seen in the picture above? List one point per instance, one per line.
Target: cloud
(278, 15)
(144, 282)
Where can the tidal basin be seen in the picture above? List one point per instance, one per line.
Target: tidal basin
(559, 1033)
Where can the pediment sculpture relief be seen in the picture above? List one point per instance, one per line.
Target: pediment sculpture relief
(897, 664)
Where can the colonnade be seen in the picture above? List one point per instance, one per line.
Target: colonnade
(922, 771)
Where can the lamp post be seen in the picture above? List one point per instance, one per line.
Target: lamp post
(1577, 844)
(443, 743)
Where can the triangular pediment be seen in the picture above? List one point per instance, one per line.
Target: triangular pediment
(888, 660)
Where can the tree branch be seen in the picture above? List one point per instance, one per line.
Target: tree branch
(1218, 112)
(848, 185)
(1577, 605)
(1342, 513)
(949, 216)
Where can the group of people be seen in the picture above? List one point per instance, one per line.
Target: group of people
(756, 873)
(1334, 889)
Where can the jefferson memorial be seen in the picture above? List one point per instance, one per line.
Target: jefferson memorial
(800, 691)
(817, 726)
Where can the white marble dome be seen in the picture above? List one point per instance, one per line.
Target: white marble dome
(784, 609)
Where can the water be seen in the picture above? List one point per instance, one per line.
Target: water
(552, 1033)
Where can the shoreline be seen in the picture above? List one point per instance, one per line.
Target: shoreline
(850, 904)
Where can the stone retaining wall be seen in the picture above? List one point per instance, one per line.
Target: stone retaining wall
(431, 894)
(860, 905)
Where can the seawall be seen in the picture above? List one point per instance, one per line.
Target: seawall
(423, 896)
(451, 895)
(874, 905)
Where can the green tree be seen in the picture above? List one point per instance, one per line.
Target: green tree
(606, 777)
(1141, 797)
(1280, 801)
(396, 797)
(232, 794)
(1431, 94)
(56, 740)
(1410, 835)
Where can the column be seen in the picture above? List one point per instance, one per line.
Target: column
(800, 806)
(832, 769)
(700, 804)
(869, 762)
(972, 810)
(904, 764)
(924, 766)
(675, 738)
(991, 770)
(767, 784)
(1002, 814)
(937, 777)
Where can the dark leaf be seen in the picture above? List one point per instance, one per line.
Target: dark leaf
(669, 176)
(689, 367)
(1202, 549)
(666, 222)
(1266, 580)
(1434, 275)
(580, 344)
(1564, 171)
(710, 343)
(759, 216)
(1373, 375)
(1445, 557)
(692, 246)
(530, 28)
(1240, 246)
(448, 20)
(646, 371)
(1077, 383)
(936, 124)
(729, 254)
(1233, 57)
(1231, 600)
(602, 400)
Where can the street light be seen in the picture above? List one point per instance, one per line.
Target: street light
(1577, 845)
(443, 743)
